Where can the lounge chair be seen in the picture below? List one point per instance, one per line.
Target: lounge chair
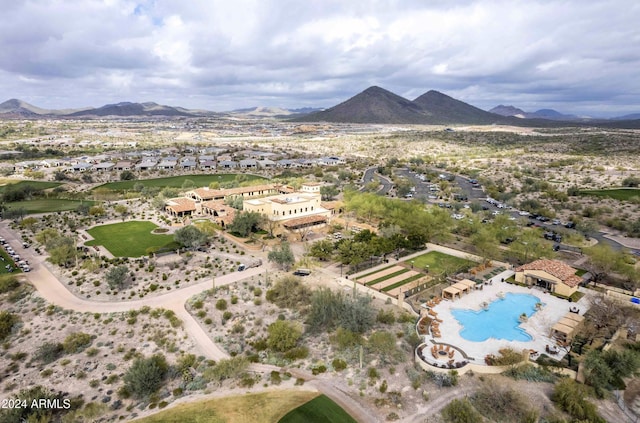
(452, 353)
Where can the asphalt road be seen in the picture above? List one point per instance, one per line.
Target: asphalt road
(385, 183)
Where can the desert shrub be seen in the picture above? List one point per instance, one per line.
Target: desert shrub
(507, 357)
(49, 352)
(338, 364)
(221, 304)
(8, 283)
(226, 369)
(7, 321)
(76, 342)
(570, 396)
(500, 402)
(297, 353)
(289, 292)
(145, 376)
(317, 369)
(283, 335)
(344, 339)
(461, 411)
(530, 373)
(386, 317)
(330, 309)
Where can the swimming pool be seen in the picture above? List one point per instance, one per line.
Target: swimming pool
(499, 321)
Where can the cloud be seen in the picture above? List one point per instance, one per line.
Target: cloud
(218, 54)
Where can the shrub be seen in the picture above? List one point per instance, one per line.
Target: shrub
(289, 292)
(316, 370)
(501, 402)
(386, 317)
(297, 353)
(76, 342)
(338, 364)
(7, 321)
(570, 396)
(49, 352)
(226, 369)
(461, 411)
(145, 376)
(283, 335)
(8, 283)
(221, 304)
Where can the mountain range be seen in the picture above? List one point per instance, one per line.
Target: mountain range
(374, 105)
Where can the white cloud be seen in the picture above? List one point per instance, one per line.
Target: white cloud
(212, 53)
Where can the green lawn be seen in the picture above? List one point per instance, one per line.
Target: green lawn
(35, 184)
(439, 262)
(623, 194)
(47, 205)
(177, 181)
(130, 239)
(319, 409)
(7, 260)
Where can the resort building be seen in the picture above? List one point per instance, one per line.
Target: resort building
(300, 209)
(551, 275)
(206, 193)
(180, 207)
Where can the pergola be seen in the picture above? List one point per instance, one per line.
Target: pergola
(457, 289)
(563, 330)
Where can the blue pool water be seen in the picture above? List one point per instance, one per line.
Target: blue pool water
(499, 321)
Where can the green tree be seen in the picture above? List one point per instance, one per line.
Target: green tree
(122, 210)
(45, 235)
(190, 236)
(146, 375)
(282, 256)
(117, 277)
(29, 223)
(97, 211)
(283, 335)
(328, 192)
(127, 175)
(62, 250)
(322, 250)
(383, 345)
(245, 223)
(570, 396)
(485, 244)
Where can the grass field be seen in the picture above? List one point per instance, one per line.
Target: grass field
(176, 181)
(251, 408)
(623, 194)
(47, 205)
(35, 184)
(7, 260)
(129, 239)
(439, 262)
(319, 409)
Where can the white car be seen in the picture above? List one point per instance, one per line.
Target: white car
(524, 213)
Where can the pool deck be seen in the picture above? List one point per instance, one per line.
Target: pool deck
(538, 325)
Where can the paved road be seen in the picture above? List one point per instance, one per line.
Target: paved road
(371, 174)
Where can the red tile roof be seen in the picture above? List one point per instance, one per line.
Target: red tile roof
(555, 268)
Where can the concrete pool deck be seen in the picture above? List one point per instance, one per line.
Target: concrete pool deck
(538, 325)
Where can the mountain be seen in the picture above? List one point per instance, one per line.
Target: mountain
(133, 109)
(377, 105)
(373, 105)
(17, 108)
(443, 109)
(633, 116)
(548, 114)
(508, 111)
(270, 112)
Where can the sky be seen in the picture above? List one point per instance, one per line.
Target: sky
(574, 56)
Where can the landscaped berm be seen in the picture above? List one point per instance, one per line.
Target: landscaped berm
(130, 239)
